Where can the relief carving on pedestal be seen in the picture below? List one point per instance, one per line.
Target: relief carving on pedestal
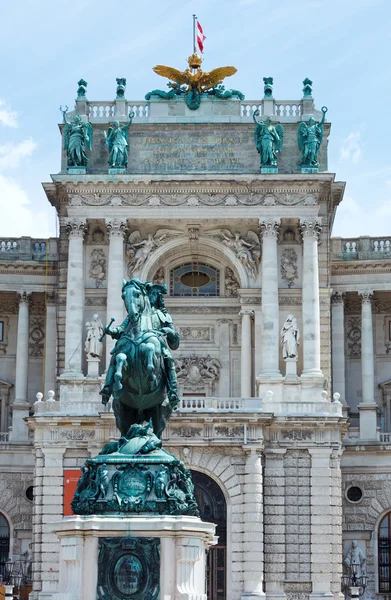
(354, 337)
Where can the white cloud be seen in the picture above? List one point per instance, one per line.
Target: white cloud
(350, 150)
(7, 117)
(19, 216)
(11, 154)
(353, 220)
(384, 210)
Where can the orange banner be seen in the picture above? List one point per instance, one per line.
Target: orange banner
(71, 477)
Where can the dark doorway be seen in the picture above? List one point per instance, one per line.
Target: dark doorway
(4, 542)
(213, 508)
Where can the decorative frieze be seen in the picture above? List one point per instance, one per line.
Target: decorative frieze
(197, 334)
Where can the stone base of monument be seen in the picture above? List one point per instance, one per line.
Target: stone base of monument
(269, 170)
(139, 557)
(117, 170)
(77, 170)
(309, 170)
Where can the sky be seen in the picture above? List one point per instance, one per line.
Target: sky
(342, 45)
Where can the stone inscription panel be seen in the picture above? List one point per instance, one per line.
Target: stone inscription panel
(199, 149)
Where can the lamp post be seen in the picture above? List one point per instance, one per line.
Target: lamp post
(354, 584)
(12, 580)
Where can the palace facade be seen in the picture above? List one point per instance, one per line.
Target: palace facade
(291, 457)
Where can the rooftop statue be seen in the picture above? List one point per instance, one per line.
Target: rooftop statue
(141, 376)
(77, 136)
(268, 87)
(310, 137)
(117, 143)
(307, 88)
(268, 140)
(193, 82)
(82, 89)
(121, 86)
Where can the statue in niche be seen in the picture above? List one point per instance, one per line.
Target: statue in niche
(138, 249)
(93, 346)
(268, 140)
(77, 136)
(231, 283)
(290, 338)
(247, 250)
(310, 137)
(356, 557)
(117, 143)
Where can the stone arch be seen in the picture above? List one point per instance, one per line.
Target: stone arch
(15, 506)
(179, 250)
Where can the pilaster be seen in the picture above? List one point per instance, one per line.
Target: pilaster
(338, 345)
(246, 358)
(21, 406)
(368, 406)
(116, 230)
(50, 343)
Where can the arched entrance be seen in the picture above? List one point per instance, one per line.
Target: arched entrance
(213, 508)
(4, 542)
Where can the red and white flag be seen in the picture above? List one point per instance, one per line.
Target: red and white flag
(200, 37)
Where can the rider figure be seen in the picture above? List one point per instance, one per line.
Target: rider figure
(161, 321)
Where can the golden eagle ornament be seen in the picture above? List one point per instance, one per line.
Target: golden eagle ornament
(197, 81)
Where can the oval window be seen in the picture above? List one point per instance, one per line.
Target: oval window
(354, 494)
(195, 279)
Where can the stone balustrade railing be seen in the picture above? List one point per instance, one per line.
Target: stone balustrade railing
(362, 248)
(203, 404)
(26, 248)
(285, 111)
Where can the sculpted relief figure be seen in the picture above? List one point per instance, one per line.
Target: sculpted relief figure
(93, 345)
(247, 250)
(77, 136)
(117, 143)
(231, 283)
(268, 140)
(139, 249)
(290, 338)
(310, 137)
(355, 556)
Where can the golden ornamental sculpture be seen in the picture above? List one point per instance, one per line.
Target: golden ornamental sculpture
(193, 82)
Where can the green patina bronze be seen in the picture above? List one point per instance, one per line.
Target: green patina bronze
(121, 87)
(117, 143)
(77, 136)
(310, 136)
(128, 568)
(82, 89)
(268, 140)
(135, 474)
(268, 87)
(193, 96)
(307, 88)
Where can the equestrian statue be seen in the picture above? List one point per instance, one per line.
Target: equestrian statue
(141, 376)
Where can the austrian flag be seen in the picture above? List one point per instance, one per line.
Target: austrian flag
(200, 37)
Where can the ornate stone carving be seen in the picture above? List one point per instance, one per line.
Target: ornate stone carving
(247, 248)
(380, 306)
(115, 227)
(354, 337)
(231, 283)
(366, 297)
(77, 435)
(197, 372)
(203, 310)
(288, 266)
(193, 233)
(93, 346)
(311, 228)
(186, 431)
(229, 431)
(338, 298)
(269, 227)
(96, 301)
(138, 250)
(75, 228)
(289, 300)
(98, 237)
(193, 334)
(5, 325)
(290, 338)
(235, 333)
(36, 336)
(97, 270)
(158, 278)
(298, 435)
(9, 307)
(24, 297)
(352, 306)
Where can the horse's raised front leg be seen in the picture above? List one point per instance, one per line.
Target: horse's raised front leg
(120, 362)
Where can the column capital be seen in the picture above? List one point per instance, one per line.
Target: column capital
(51, 298)
(246, 311)
(338, 298)
(76, 228)
(311, 227)
(24, 297)
(270, 227)
(116, 227)
(366, 297)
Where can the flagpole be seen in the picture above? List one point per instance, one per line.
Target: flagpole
(194, 33)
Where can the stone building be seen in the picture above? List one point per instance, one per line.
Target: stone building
(289, 480)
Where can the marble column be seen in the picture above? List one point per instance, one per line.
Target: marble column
(367, 406)
(115, 275)
(20, 406)
(338, 344)
(270, 314)
(310, 299)
(225, 358)
(50, 344)
(246, 358)
(75, 299)
(253, 526)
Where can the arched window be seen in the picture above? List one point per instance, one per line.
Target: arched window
(4, 542)
(384, 554)
(194, 279)
(213, 508)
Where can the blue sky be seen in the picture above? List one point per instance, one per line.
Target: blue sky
(342, 45)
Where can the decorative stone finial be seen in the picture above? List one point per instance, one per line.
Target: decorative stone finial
(39, 396)
(50, 397)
